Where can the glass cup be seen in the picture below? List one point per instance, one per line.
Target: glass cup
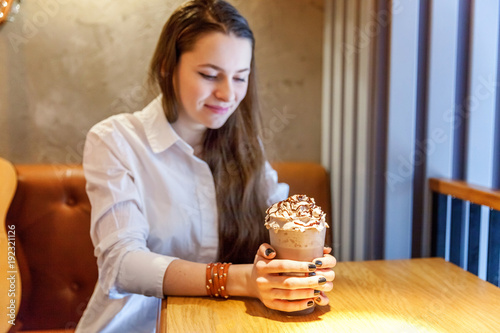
(298, 245)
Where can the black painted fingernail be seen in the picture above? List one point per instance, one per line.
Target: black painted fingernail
(312, 274)
(317, 292)
(269, 252)
(310, 303)
(321, 280)
(312, 267)
(318, 263)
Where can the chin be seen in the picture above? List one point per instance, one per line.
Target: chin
(215, 126)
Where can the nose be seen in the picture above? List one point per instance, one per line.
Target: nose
(225, 91)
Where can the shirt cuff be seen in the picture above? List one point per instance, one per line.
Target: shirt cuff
(142, 273)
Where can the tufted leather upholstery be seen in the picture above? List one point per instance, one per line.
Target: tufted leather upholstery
(51, 213)
(58, 271)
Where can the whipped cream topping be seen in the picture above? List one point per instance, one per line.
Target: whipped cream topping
(298, 213)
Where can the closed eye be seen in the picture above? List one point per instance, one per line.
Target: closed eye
(208, 77)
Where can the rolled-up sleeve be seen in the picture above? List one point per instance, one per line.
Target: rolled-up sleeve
(119, 229)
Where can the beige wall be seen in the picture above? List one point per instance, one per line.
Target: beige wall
(66, 64)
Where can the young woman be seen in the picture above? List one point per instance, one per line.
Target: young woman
(184, 182)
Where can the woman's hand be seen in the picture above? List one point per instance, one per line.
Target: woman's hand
(324, 268)
(291, 293)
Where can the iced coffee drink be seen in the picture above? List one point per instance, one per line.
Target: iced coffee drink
(297, 229)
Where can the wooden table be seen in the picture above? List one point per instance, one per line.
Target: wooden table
(417, 295)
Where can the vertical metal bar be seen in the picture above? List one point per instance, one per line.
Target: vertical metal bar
(448, 228)
(439, 210)
(464, 249)
(483, 241)
(493, 267)
(474, 226)
(456, 235)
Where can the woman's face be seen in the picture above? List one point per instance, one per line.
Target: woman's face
(211, 80)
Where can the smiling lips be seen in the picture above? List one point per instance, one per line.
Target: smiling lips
(217, 109)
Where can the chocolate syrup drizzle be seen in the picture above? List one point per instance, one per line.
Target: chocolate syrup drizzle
(299, 207)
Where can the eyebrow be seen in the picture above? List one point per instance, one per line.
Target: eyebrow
(222, 70)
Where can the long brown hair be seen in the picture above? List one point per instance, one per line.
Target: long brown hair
(233, 152)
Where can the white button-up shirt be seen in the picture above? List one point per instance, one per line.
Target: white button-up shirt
(152, 201)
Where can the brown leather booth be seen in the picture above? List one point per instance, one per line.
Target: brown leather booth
(51, 214)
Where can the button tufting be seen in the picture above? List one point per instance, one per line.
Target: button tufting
(75, 286)
(70, 201)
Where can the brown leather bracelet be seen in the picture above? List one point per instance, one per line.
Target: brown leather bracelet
(223, 277)
(215, 278)
(209, 280)
(220, 281)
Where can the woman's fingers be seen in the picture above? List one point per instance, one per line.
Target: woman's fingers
(286, 301)
(287, 282)
(328, 273)
(290, 285)
(321, 299)
(277, 266)
(327, 261)
(297, 294)
(266, 252)
(289, 306)
(280, 271)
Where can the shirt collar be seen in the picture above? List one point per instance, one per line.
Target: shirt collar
(159, 132)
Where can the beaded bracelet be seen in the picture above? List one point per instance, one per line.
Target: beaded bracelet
(216, 279)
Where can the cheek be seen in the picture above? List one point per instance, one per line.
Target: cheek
(242, 92)
(194, 90)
